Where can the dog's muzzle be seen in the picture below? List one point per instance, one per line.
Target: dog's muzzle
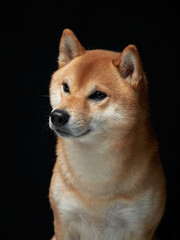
(59, 122)
(59, 117)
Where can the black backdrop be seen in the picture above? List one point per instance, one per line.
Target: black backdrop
(31, 32)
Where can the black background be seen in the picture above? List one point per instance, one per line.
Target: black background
(30, 32)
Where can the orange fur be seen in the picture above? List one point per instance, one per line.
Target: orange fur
(125, 168)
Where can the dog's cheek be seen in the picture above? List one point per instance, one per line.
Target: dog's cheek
(100, 119)
(114, 115)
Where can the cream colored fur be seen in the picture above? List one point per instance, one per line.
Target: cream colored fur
(108, 182)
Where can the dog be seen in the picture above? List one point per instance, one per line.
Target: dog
(108, 182)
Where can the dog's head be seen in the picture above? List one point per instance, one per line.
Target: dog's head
(95, 93)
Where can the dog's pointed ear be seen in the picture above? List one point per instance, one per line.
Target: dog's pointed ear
(69, 47)
(130, 65)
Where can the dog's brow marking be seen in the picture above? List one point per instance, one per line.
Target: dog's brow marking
(69, 80)
(92, 88)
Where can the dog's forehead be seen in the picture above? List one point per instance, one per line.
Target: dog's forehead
(95, 60)
(94, 66)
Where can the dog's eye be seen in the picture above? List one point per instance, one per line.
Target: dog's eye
(66, 88)
(98, 96)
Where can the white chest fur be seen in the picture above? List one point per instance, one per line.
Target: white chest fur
(94, 167)
(116, 221)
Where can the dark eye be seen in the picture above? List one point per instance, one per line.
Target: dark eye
(66, 88)
(98, 96)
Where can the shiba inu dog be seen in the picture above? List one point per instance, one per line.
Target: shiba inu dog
(108, 182)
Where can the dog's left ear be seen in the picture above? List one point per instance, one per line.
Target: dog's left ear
(130, 65)
(69, 47)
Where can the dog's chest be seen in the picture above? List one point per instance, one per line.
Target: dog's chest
(116, 221)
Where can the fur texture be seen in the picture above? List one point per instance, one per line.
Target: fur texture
(108, 182)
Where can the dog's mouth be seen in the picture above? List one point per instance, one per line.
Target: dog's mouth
(70, 130)
(62, 133)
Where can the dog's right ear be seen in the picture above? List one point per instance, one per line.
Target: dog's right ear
(130, 66)
(69, 47)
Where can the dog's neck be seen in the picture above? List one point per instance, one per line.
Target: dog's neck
(97, 166)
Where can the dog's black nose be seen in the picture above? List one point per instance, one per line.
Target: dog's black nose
(59, 117)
